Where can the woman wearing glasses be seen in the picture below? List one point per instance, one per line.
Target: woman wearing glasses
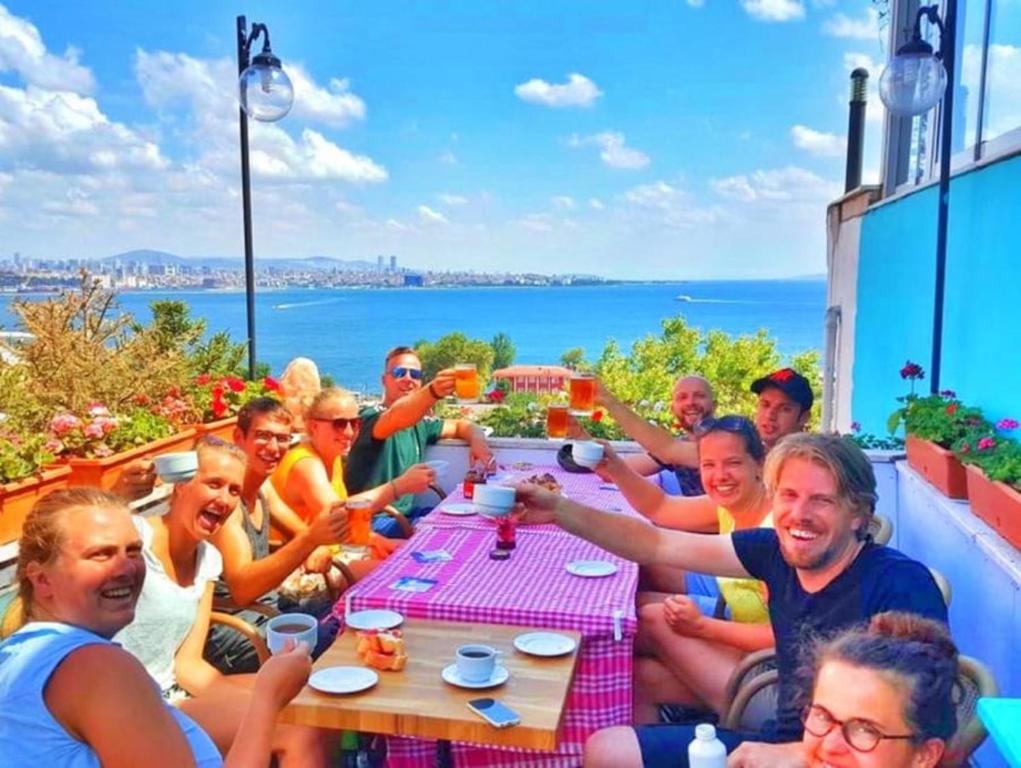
(687, 650)
(310, 478)
(881, 699)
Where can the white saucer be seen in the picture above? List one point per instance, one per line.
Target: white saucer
(460, 509)
(343, 679)
(379, 619)
(591, 568)
(544, 644)
(499, 677)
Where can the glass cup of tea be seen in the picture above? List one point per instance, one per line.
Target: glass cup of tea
(583, 394)
(466, 383)
(556, 421)
(359, 518)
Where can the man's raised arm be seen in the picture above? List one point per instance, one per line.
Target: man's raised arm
(660, 443)
(410, 409)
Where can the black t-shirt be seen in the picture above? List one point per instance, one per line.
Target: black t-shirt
(880, 579)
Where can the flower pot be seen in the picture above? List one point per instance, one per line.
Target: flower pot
(17, 498)
(996, 503)
(938, 466)
(223, 429)
(103, 473)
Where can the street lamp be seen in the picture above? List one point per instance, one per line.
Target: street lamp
(913, 82)
(265, 93)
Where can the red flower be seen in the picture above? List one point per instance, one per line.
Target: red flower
(235, 384)
(782, 375)
(952, 409)
(597, 416)
(985, 443)
(219, 407)
(912, 371)
(202, 379)
(218, 391)
(174, 391)
(271, 384)
(141, 399)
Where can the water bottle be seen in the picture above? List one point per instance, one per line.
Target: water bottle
(705, 750)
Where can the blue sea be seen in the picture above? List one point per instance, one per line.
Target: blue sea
(348, 331)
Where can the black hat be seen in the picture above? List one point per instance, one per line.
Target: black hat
(791, 383)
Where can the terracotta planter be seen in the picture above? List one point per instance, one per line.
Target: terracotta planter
(996, 503)
(223, 429)
(103, 473)
(938, 466)
(17, 498)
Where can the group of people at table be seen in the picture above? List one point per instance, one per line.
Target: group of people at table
(769, 523)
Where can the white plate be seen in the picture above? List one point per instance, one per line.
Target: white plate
(591, 568)
(544, 644)
(380, 619)
(460, 509)
(343, 679)
(499, 677)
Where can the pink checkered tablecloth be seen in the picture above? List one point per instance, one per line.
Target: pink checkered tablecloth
(532, 589)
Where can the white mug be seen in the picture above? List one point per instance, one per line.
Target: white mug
(587, 453)
(476, 663)
(300, 627)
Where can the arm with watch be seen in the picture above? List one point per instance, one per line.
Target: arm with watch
(410, 409)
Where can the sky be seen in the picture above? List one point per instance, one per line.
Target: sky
(647, 139)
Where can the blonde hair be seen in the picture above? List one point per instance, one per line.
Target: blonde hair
(42, 534)
(300, 383)
(328, 395)
(850, 467)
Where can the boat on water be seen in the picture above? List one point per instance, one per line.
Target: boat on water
(683, 297)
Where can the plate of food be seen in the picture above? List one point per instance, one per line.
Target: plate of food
(545, 480)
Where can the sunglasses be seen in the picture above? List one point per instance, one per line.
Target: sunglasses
(341, 423)
(739, 425)
(400, 372)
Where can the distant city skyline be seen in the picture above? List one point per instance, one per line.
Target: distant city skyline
(634, 140)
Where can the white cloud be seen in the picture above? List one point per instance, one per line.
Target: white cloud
(578, 91)
(1003, 108)
(428, 216)
(667, 205)
(23, 51)
(536, 222)
(448, 158)
(696, 3)
(563, 202)
(864, 28)
(448, 199)
(817, 142)
(774, 10)
(62, 131)
(783, 185)
(596, 204)
(612, 150)
(336, 107)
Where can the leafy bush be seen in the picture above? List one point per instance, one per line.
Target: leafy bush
(21, 456)
(223, 397)
(97, 433)
(454, 348)
(987, 448)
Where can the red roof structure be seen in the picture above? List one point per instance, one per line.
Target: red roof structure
(536, 379)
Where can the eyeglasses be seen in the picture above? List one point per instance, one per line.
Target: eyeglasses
(737, 424)
(341, 423)
(860, 735)
(265, 436)
(399, 372)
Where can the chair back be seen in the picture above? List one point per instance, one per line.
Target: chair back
(973, 682)
(751, 666)
(755, 703)
(944, 586)
(881, 529)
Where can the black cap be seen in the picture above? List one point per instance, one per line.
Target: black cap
(791, 383)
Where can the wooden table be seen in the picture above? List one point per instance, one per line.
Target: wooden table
(416, 702)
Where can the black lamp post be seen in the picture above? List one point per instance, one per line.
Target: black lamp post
(913, 82)
(266, 94)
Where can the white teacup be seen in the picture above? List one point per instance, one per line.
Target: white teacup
(174, 467)
(300, 627)
(493, 500)
(476, 663)
(587, 453)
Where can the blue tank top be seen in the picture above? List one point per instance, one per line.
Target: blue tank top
(29, 734)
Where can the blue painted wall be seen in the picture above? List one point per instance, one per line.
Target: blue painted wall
(982, 320)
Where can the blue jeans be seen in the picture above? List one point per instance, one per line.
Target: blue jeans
(387, 526)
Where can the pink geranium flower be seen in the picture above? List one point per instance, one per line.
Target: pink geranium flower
(63, 423)
(1007, 424)
(985, 443)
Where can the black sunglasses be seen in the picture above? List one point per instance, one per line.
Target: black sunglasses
(739, 425)
(341, 423)
(400, 372)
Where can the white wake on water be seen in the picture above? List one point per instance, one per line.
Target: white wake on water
(305, 304)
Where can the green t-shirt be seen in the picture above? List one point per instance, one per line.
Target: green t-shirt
(374, 462)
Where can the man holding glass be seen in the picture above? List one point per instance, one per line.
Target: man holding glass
(395, 434)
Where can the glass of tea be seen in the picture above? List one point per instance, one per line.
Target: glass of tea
(583, 394)
(359, 518)
(556, 421)
(466, 383)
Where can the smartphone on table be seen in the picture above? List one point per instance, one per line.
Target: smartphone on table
(496, 713)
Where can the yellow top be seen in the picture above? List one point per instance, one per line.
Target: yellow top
(283, 472)
(746, 598)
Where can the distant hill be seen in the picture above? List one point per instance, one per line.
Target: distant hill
(312, 263)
